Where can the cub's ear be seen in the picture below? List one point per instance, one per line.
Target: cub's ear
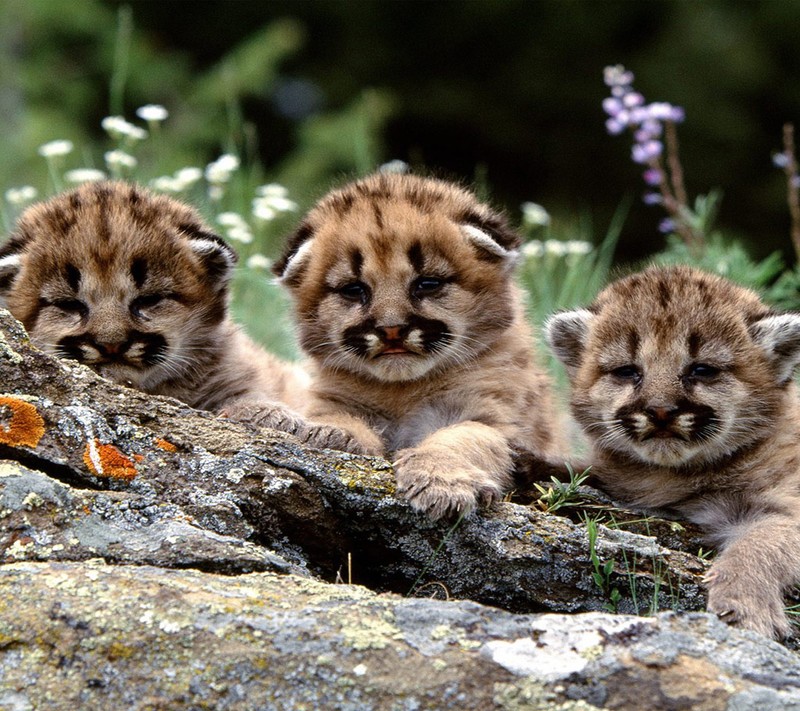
(10, 264)
(566, 335)
(214, 252)
(491, 233)
(779, 337)
(289, 268)
(486, 244)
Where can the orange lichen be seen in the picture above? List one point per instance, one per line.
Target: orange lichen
(166, 446)
(25, 427)
(107, 461)
(138, 457)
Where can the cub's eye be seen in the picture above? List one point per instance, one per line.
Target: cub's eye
(145, 302)
(628, 373)
(702, 371)
(355, 291)
(71, 306)
(426, 286)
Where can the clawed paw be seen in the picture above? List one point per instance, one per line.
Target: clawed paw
(441, 490)
(330, 437)
(760, 610)
(273, 416)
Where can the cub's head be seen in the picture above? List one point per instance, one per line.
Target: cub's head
(128, 282)
(676, 367)
(397, 276)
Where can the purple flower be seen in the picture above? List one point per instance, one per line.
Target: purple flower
(612, 106)
(617, 76)
(652, 127)
(652, 199)
(666, 226)
(642, 136)
(615, 127)
(780, 160)
(633, 99)
(645, 152)
(662, 111)
(653, 177)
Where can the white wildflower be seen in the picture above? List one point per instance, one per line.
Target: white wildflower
(117, 127)
(22, 195)
(56, 148)
(231, 219)
(259, 261)
(534, 215)
(263, 212)
(271, 200)
(152, 113)
(120, 159)
(533, 249)
(188, 176)
(215, 193)
(166, 184)
(394, 166)
(240, 234)
(555, 247)
(272, 190)
(577, 246)
(84, 175)
(220, 170)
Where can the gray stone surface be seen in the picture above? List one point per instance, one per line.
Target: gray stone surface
(156, 557)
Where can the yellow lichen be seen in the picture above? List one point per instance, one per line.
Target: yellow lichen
(107, 461)
(25, 427)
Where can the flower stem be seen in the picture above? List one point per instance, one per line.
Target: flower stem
(674, 162)
(792, 188)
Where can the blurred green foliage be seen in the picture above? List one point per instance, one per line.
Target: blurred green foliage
(506, 95)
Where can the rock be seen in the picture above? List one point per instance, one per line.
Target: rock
(221, 545)
(90, 635)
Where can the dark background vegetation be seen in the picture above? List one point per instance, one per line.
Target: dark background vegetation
(503, 92)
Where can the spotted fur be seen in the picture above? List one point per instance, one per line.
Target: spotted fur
(135, 286)
(403, 292)
(683, 383)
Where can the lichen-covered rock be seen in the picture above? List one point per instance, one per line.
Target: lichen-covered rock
(241, 499)
(153, 556)
(98, 636)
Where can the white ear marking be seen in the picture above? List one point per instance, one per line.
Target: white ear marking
(480, 239)
(566, 335)
(10, 260)
(779, 337)
(297, 260)
(204, 246)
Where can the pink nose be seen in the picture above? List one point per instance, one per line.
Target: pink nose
(391, 333)
(661, 413)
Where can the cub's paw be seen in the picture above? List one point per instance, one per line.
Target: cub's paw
(330, 437)
(443, 486)
(742, 604)
(272, 415)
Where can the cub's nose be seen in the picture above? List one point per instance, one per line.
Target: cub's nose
(391, 333)
(111, 348)
(661, 414)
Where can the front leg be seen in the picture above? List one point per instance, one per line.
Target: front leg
(747, 581)
(331, 427)
(336, 431)
(455, 469)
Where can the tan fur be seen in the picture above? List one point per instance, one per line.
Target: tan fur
(404, 298)
(682, 382)
(135, 286)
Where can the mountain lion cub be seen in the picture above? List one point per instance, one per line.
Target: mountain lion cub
(683, 383)
(135, 286)
(405, 302)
